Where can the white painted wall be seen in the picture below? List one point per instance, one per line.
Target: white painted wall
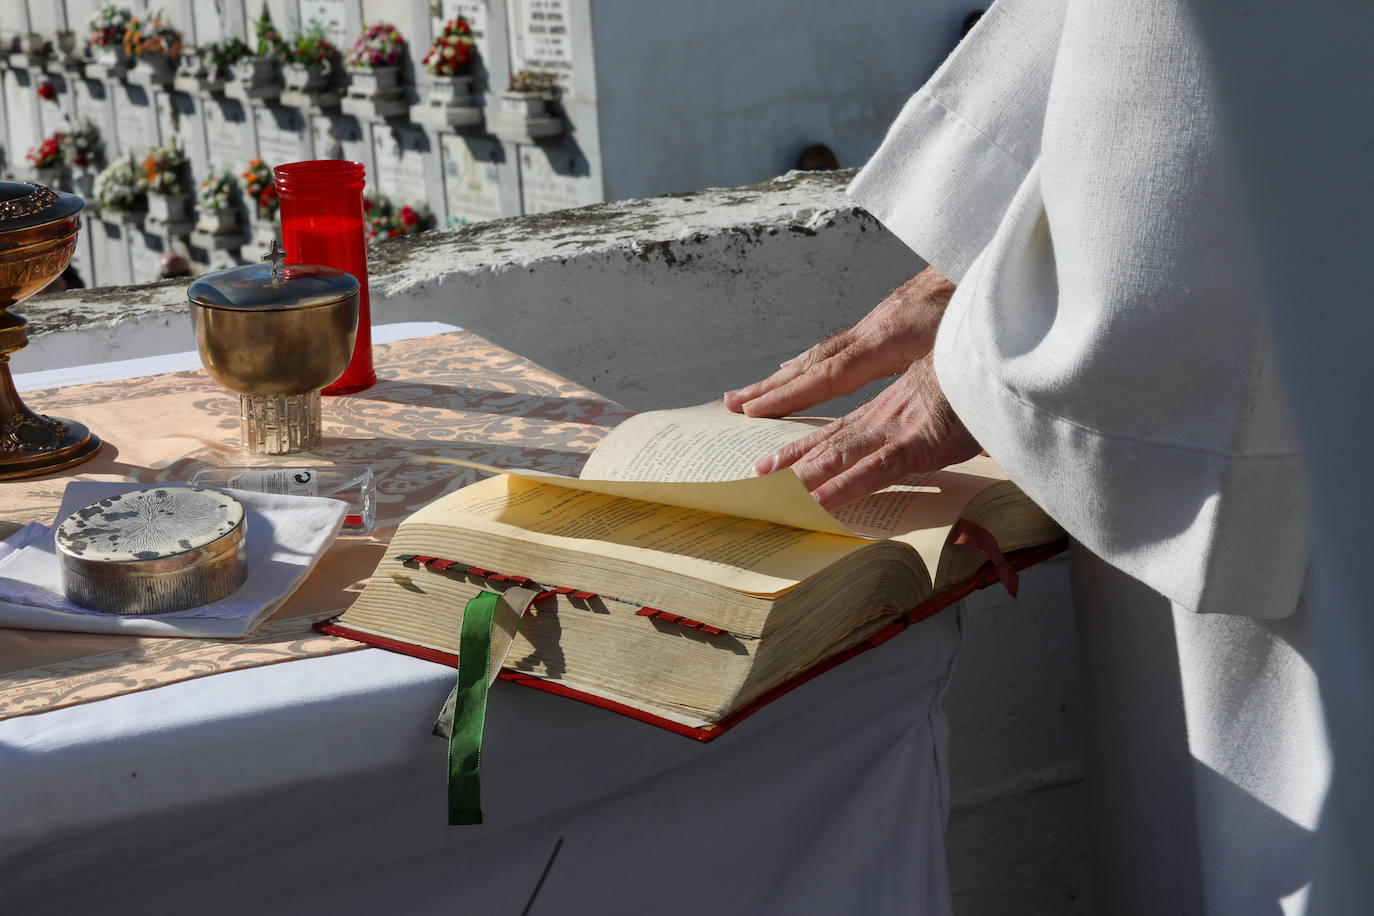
(724, 93)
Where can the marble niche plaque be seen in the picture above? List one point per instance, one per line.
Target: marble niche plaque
(93, 101)
(339, 137)
(332, 15)
(184, 118)
(209, 21)
(136, 120)
(400, 162)
(227, 134)
(109, 253)
(540, 39)
(472, 178)
(19, 100)
(145, 254)
(554, 179)
(284, 135)
(51, 115)
(45, 18)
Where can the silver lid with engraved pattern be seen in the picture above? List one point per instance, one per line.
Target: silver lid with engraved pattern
(154, 550)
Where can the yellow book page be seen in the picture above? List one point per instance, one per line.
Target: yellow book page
(703, 457)
(749, 556)
(921, 509)
(710, 443)
(706, 442)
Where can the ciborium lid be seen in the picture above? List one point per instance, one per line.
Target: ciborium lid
(273, 286)
(24, 205)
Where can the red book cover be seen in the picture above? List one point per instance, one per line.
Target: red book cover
(992, 573)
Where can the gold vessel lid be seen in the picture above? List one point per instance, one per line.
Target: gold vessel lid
(273, 286)
(24, 205)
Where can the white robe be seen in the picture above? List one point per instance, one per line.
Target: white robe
(1106, 345)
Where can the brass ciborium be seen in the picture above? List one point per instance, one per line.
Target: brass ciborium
(276, 335)
(38, 230)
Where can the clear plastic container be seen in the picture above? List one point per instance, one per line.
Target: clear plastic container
(354, 485)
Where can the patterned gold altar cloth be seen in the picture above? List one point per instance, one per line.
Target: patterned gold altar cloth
(454, 395)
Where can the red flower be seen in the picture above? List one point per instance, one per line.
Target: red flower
(48, 153)
(46, 92)
(408, 216)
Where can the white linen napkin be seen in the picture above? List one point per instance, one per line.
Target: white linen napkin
(285, 537)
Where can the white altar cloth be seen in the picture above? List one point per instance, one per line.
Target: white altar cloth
(315, 786)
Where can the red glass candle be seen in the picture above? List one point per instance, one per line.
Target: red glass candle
(322, 223)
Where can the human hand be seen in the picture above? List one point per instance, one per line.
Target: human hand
(899, 330)
(909, 428)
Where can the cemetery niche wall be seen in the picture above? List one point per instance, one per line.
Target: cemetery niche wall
(167, 116)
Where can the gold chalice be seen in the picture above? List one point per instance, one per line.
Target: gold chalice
(37, 235)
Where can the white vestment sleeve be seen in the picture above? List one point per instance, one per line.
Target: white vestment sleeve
(1105, 343)
(963, 144)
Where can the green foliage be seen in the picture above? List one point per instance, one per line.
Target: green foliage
(222, 55)
(270, 41)
(311, 47)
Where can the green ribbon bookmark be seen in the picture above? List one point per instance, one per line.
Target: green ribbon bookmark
(470, 711)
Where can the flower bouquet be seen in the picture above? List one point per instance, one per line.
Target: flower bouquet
(379, 47)
(374, 65)
(83, 147)
(84, 150)
(166, 175)
(154, 46)
(207, 68)
(106, 38)
(449, 62)
(259, 74)
(46, 159)
(452, 51)
(217, 203)
(311, 60)
(120, 189)
(384, 220)
(260, 189)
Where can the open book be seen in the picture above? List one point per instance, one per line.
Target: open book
(674, 584)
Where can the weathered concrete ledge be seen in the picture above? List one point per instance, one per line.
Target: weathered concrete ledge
(655, 302)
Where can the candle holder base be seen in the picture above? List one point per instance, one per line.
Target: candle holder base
(32, 444)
